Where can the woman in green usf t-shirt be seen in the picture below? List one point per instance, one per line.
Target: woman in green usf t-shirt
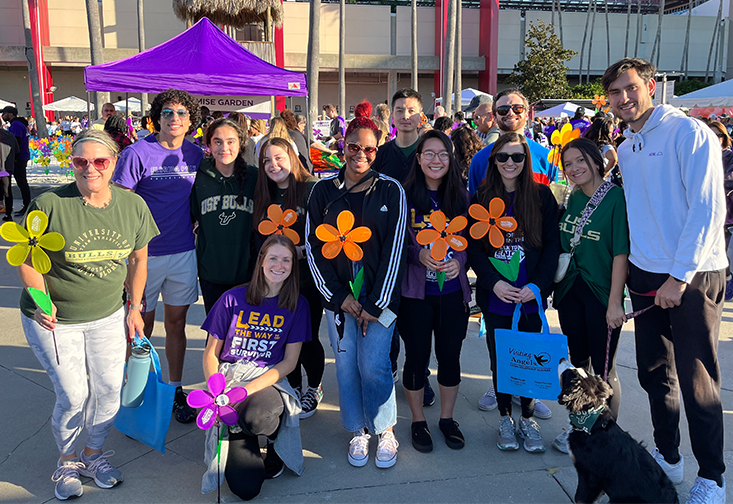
(591, 295)
(106, 230)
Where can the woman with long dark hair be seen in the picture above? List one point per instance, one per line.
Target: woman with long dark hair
(284, 181)
(467, 144)
(356, 230)
(222, 202)
(601, 133)
(252, 359)
(536, 239)
(435, 290)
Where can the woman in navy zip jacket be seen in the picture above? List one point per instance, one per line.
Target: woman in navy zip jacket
(360, 328)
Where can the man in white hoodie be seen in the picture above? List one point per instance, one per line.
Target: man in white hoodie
(673, 181)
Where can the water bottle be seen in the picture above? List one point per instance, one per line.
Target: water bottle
(138, 367)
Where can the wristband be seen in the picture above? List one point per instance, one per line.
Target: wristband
(138, 307)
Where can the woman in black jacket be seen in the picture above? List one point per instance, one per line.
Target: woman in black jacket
(536, 239)
(356, 229)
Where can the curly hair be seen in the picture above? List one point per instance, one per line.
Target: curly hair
(175, 96)
(467, 144)
(289, 117)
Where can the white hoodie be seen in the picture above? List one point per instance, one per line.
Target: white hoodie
(673, 181)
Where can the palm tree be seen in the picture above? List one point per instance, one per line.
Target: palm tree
(314, 49)
(342, 70)
(628, 25)
(413, 44)
(141, 48)
(234, 13)
(590, 42)
(608, 37)
(448, 59)
(638, 27)
(95, 43)
(582, 45)
(457, 80)
(686, 48)
(33, 73)
(714, 39)
(657, 47)
(559, 18)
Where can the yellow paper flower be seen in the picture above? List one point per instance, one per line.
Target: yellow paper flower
(559, 139)
(32, 241)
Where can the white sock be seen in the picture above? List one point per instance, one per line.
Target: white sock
(175, 383)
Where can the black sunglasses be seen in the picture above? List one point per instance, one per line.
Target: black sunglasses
(504, 109)
(517, 157)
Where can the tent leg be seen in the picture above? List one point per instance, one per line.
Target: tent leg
(89, 115)
(127, 106)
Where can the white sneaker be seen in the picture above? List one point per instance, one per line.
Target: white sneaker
(675, 472)
(66, 477)
(359, 449)
(706, 491)
(386, 450)
(487, 402)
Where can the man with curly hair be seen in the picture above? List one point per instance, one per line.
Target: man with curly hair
(162, 168)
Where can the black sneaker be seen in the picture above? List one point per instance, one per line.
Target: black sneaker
(428, 398)
(453, 435)
(421, 439)
(274, 466)
(8, 218)
(181, 410)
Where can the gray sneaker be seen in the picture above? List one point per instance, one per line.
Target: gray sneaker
(560, 443)
(487, 402)
(541, 410)
(67, 479)
(530, 432)
(507, 434)
(97, 467)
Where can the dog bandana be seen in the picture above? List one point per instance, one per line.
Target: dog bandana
(584, 420)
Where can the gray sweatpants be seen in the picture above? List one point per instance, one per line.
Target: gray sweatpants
(88, 379)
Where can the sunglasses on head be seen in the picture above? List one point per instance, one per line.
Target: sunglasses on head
(168, 113)
(354, 148)
(100, 163)
(518, 109)
(517, 157)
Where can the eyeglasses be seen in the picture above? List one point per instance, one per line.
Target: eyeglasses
(100, 163)
(518, 109)
(429, 155)
(517, 157)
(168, 113)
(355, 148)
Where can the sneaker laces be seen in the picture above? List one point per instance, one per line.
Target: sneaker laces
(68, 470)
(359, 445)
(310, 399)
(531, 429)
(701, 491)
(387, 446)
(491, 392)
(100, 464)
(506, 427)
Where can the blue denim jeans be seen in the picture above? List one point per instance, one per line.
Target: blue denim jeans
(364, 374)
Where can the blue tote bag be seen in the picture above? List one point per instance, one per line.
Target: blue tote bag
(526, 363)
(149, 422)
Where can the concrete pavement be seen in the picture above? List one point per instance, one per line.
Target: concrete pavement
(478, 473)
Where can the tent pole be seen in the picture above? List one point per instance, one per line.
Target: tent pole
(127, 106)
(89, 115)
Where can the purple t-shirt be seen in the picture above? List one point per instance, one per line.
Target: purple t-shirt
(163, 178)
(256, 333)
(20, 130)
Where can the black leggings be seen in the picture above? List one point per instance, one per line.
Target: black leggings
(447, 316)
(7, 195)
(21, 179)
(211, 292)
(312, 357)
(527, 323)
(259, 414)
(583, 320)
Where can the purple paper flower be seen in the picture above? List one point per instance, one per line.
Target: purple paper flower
(215, 402)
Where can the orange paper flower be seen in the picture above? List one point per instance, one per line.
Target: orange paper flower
(599, 101)
(343, 238)
(279, 222)
(492, 222)
(443, 237)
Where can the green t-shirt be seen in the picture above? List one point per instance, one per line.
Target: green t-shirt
(87, 275)
(407, 151)
(605, 235)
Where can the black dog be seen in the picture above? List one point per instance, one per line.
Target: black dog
(606, 457)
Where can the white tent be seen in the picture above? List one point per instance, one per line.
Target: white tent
(70, 104)
(719, 95)
(466, 96)
(566, 109)
(133, 102)
(4, 104)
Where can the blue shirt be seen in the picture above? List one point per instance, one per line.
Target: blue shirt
(544, 171)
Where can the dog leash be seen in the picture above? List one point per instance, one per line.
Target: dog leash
(628, 317)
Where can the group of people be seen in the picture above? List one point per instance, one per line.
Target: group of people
(381, 251)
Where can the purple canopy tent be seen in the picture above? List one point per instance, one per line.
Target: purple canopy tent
(203, 60)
